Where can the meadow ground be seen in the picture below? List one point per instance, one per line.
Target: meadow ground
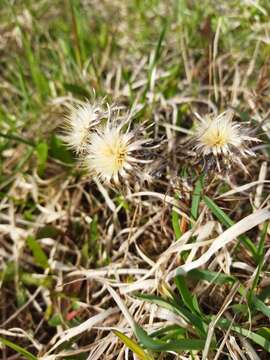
(172, 268)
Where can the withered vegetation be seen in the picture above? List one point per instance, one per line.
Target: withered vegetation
(186, 253)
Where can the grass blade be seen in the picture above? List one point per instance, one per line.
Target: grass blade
(196, 198)
(169, 345)
(189, 300)
(211, 276)
(226, 221)
(133, 346)
(258, 339)
(176, 225)
(191, 318)
(26, 354)
(39, 255)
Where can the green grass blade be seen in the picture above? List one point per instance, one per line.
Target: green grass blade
(37, 75)
(169, 345)
(164, 331)
(260, 257)
(39, 255)
(77, 90)
(159, 44)
(219, 278)
(59, 151)
(176, 225)
(258, 339)
(259, 305)
(17, 138)
(189, 300)
(26, 354)
(191, 318)
(196, 198)
(42, 156)
(156, 57)
(211, 276)
(226, 221)
(217, 212)
(265, 293)
(261, 245)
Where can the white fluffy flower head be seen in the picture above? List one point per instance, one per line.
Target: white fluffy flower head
(109, 152)
(223, 138)
(78, 125)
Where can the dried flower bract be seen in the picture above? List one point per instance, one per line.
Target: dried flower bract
(79, 123)
(106, 146)
(222, 139)
(110, 149)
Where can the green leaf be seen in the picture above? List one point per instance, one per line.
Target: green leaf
(59, 151)
(37, 74)
(258, 339)
(219, 278)
(21, 296)
(42, 156)
(259, 305)
(196, 198)
(55, 320)
(169, 345)
(26, 354)
(264, 332)
(8, 273)
(39, 255)
(226, 221)
(193, 319)
(260, 257)
(47, 231)
(189, 300)
(170, 329)
(264, 294)
(30, 280)
(175, 224)
(17, 138)
(155, 59)
(90, 247)
(77, 90)
(211, 276)
(261, 246)
(159, 44)
(94, 230)
(219, 214)
(133, 346)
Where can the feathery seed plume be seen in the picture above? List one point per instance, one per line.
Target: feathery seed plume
(224, 140)
(79, 123)
(109, 152)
